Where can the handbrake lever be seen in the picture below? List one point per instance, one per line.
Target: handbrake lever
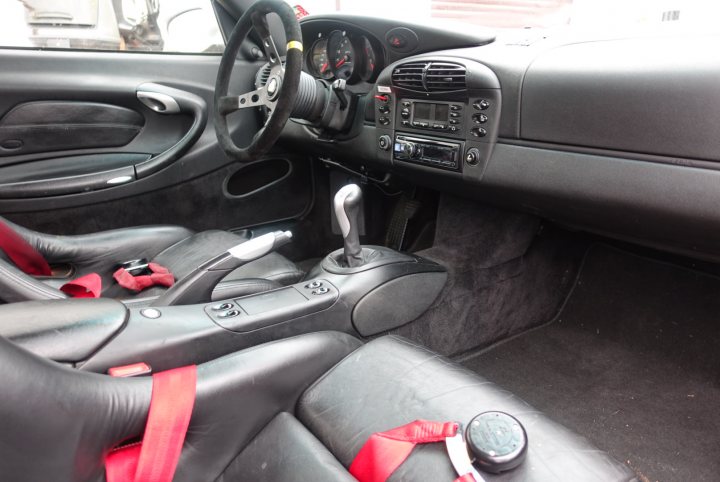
(197, 286)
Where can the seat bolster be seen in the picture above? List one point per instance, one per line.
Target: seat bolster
(239, 394)
(18, 286)
(391, 381)
(105, 248)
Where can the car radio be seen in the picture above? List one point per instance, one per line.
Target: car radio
(440, 116)
(442, 154)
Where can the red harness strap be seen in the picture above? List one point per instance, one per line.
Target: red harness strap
(88, 286)
(25, 257)
(160, 276)
(384, 452)
(155, 460)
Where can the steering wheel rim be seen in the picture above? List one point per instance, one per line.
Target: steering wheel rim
(281, 89)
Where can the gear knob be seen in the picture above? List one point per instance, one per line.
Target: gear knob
(347, 204)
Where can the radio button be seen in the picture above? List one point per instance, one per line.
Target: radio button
(454, 114)
(441, 127)
(421, 124)
(480, 118)
(406, 123)
(478, 132)
(454, 121)
(481, 104)
(455, 107)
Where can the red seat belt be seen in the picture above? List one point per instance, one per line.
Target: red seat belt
(25, 257)
(155, 460)
(384, 452)
(160, 276)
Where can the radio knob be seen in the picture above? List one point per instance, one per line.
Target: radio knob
(384, 142)
(410, 149)
(472, 157)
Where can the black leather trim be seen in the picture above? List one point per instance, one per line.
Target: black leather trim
(17, 286)
(242, 287)
(285, 447)
(70, 331)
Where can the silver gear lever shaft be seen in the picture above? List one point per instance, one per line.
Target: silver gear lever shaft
(347, 204)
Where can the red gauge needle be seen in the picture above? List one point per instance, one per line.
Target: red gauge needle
(323, 68)
(340, 64)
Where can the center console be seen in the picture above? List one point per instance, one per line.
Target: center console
(361, 290)
(437, 114)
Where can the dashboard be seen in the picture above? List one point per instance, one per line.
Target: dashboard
(615, 135)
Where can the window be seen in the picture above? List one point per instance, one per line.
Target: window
(544, 14)
(180, 26)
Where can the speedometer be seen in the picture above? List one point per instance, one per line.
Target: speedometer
(319, 64)
(341, 55)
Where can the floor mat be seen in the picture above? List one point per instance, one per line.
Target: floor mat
(505, 274)
(632, 362)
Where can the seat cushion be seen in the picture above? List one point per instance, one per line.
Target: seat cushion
(285, 447)
(390, 382)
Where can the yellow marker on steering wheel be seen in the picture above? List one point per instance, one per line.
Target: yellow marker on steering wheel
(294, 44)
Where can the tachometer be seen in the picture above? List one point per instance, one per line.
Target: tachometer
(319, 64)
(369, 63)
(341, 55)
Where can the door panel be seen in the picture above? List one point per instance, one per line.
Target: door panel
(190, 189)
(198, 204)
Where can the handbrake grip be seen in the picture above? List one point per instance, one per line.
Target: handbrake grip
(198, 285)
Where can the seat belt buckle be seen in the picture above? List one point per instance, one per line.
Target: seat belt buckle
(133, 370)
(136, 267)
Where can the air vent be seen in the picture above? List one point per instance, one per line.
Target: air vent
(444, 76)
(430, 76)
(410, 76)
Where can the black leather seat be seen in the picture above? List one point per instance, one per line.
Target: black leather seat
(174, 247)
(296, 409)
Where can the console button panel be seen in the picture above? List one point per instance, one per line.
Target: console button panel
(264, 309)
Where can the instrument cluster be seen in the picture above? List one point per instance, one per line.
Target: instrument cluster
(344, 55)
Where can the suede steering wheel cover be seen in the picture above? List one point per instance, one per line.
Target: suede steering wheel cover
(266, 137)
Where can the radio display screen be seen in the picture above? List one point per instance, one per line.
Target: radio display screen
(422, 110)
(441, 112)
(442, 154)
(425, 111)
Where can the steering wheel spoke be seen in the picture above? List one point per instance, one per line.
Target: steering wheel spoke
(256, 98)
(260, 24)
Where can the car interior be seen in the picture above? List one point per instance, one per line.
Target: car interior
(345, 224)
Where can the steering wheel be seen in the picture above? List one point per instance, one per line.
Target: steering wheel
(279, 92)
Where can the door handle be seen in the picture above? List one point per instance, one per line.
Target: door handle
(168, 100)
(159, 102)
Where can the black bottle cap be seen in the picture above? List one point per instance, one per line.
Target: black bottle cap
(497, 441)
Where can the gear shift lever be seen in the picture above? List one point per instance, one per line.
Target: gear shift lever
(347, 205)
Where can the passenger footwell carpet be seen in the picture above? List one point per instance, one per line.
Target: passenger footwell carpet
(632, 362)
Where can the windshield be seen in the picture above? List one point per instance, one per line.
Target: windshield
(544, 14)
